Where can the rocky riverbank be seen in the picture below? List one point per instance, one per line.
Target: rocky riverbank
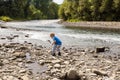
(28, 61)
(34, 62)
(94, 24)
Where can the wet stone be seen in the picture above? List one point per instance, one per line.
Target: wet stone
(57, 65)
(5, 61)
(99, 72)
(55, 79)
(25, 77)
(22, 71)
(71, 75)
(19, 54)
(1, 64)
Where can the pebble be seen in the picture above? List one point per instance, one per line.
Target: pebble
(15, 64)
(57, 65)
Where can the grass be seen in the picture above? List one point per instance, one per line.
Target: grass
(73, 20)
(5, 18)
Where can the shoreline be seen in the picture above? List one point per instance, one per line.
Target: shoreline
(92, 24)
(29, 61)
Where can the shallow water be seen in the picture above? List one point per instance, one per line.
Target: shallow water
(35, 67)
(68, 35)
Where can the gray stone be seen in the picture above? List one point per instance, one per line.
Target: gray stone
(99, 72)
(71, 75)
(22, 71)
(27, 35)
(20, 64)
(16, 36)
(30, 61)
(53, 71)
(9, 78)
(1, 64)
(57, 65)
(56, 61)
(19, 54)
(19, 60)
(55, 79)
(100, 49)
(5, 61)
(22, 48)
(25, 77)
(66, 62)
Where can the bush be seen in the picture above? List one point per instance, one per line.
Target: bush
(5, 18)
(73, 20)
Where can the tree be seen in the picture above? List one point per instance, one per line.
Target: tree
(53, 11)
(30, 9)
(106, 9)
(116, 8)
(84, 10)
(90, 10)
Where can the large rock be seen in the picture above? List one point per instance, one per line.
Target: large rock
(5, 61)
(55, 79)
(66, 62)
(71, 75)
(9, 46)
(99, 72)
(22, 71)
(1, 64)
(54, 71)
(102, 49)
(16, 36)
(22, 48)
(56, 61)
(19, 54)
(25, 77)
(9, 78)
(57, 65)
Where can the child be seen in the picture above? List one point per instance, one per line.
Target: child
(56, 44)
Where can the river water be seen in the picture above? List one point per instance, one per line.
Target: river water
(69, 35)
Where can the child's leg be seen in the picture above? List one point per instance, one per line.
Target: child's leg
(58, 49)
(54, 49)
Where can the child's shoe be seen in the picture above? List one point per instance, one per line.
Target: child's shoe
(53, 54)
(59, 54)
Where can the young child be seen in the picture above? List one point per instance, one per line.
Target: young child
(56, 44)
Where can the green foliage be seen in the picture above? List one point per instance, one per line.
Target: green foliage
(53, 11)
(34, 13)
(29, 9)
(90, 10)
(73, 20)
(5, 18)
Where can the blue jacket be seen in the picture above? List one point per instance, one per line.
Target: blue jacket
(57, 40)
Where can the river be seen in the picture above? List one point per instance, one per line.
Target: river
(70, 36)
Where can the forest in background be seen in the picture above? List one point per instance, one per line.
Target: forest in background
(28, 9)
(70, 10)
(90, 10)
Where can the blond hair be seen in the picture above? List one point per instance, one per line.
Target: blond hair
(52, 34)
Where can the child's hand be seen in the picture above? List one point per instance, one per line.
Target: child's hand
(53, 43)
(49, 41)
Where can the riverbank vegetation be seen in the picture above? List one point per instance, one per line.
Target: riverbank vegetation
(28, 9)
(90, 10)
(70, 10)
